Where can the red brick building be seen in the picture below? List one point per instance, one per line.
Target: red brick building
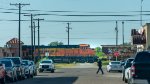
(13, 46)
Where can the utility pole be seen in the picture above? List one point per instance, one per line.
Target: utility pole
(68, 30)
(38, 34)
(19, 5)
(31, 15)
(141, 11)
(123, 33)
(116, 29)
(122, 39)
(34, 39)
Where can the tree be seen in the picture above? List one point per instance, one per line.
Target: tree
(55, 43)
(99, 53)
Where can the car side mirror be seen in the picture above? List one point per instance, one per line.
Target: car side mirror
(132, 62)
(13, 66)
(122, 64)
(1, 64)
(23, 64)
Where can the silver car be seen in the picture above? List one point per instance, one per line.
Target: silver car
(18, 64)
(11, 71)
(28, 68)
(34, 68)
(114, 66)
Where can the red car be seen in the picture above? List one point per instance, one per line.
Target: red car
(2, 74)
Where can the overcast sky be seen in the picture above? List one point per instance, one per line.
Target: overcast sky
(100, 30)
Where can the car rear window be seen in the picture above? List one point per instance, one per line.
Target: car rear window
(142, 57)
(46, 62)
(115, 62)
(15, 60)
(7, 63)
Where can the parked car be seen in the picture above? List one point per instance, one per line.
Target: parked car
(28, 68)
(34, 68)
(114, 66)
(11, 72)
(47, 65)
(140, 69)
(2, 74)
(20, 68)
(126, 67)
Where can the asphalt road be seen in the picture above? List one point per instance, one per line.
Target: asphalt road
(77, 75)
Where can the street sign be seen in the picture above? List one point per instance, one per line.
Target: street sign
(116, 53)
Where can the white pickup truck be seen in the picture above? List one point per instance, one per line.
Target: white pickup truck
(47, 65)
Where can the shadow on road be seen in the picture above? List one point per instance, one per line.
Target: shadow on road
(50, 72)
(55, 80)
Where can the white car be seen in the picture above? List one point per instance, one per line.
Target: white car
(47, 65)
(114, 66)
(34, 68)
(126, 74)
(126, 69)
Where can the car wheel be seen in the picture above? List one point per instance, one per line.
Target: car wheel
(108, 70)
(129, 81)
(40, 71)
(31, 75)
(16, 79)
(52, 71)
(24, 77)
(12, 79)
(3, 81)
(35, 73)
(125, 80)
(28, 75)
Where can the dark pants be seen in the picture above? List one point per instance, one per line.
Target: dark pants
(100, 68)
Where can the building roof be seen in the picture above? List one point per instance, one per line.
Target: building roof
(14, 41)
(115, 46)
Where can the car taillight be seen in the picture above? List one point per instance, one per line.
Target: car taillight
(132, 70)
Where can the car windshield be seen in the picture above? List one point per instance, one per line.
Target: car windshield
(7, 63)
(46, 62)
(25, 62)
(15, 60)
(115, 62)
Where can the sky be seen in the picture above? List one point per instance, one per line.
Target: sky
(100, 30)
